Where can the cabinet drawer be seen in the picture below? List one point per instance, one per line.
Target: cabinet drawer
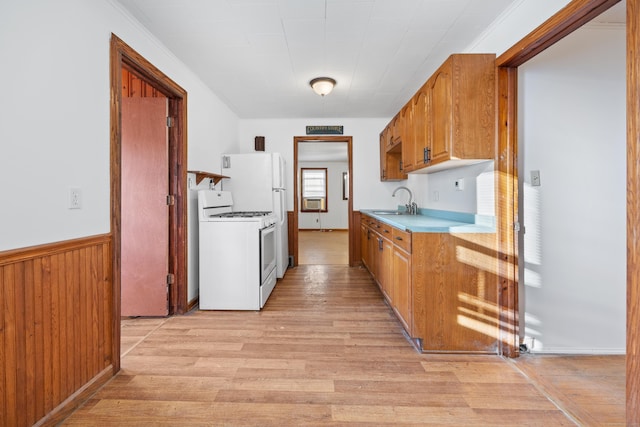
(384, 230)
(402, 239)
(368, 221)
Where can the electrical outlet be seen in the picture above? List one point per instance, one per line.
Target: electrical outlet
(459, 184)
(75, 198)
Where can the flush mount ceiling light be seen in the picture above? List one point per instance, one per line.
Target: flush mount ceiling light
(322, 85)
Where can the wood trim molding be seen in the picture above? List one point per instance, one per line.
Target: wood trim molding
(567, 20)
(74, 401)
(355, 245)
(294, 224)
(123, 55)
(507, 209)
(48, 249)
(633, 214)
(115, 67)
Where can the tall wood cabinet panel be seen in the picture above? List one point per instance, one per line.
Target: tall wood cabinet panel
(455, 292)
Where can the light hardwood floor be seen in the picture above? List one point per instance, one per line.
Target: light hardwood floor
(327, 247)
(327, 351)
(591, 388)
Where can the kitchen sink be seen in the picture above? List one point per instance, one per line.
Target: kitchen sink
(388, 213)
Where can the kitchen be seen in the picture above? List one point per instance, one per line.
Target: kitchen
(94, 216)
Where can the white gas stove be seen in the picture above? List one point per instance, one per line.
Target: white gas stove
(237, 254)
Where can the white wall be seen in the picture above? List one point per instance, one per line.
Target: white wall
(368, 191)
(54, 115)
(575, 221)
(438, 191)
(572, 129)
(337, 215)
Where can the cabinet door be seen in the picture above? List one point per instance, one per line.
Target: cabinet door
(372, 242)
(383, 156)
(401, 262)
(421, 135)
(441, 115)
(406, 121)
(396, 126)
(408, 140)
(390, 159)
(385, 268)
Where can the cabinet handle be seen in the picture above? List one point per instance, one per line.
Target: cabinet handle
(398, 238)
(386, 231)
(427, 155)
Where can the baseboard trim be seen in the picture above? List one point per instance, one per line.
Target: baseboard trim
(78, 398)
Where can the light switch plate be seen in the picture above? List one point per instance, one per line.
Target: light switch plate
(535, 178)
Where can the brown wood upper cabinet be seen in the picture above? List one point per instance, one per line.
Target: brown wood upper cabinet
(390, 158)
(391, 168)
(450, 121)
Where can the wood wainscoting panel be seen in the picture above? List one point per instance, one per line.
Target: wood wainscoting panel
(56, 326)
(292, 231)
(355, 257)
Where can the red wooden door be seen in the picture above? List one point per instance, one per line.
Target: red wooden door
(145, 214)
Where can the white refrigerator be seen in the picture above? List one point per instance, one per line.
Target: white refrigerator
(257, 183)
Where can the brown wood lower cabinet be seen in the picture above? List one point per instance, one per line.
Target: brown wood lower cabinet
(401, 271)
(443, 287)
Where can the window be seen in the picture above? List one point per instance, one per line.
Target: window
(314, 189)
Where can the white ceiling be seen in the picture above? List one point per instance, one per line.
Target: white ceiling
(258, 56)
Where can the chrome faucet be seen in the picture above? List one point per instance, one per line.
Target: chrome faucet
(411, 207)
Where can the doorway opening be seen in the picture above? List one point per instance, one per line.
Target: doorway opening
(320, 225)
(124, 57)
(573, 16)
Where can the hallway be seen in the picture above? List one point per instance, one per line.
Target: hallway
(325, 350)
(326, 247)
